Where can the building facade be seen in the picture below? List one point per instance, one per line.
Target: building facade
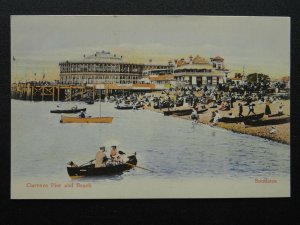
(104, 68)
(199, 71)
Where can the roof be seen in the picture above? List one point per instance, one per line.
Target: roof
(200, 60)
(116, 87)
(217, 58)
(195, 66)
(161, 77)
(181, 62)
(103, 56)
(236, 78)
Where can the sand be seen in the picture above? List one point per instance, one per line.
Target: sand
(282, 131)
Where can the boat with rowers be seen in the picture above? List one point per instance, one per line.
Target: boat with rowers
(110, 169)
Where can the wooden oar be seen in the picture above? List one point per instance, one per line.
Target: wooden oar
(139, 167)
(87, 162)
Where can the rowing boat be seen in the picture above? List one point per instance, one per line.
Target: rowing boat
(128, 106)
(68, 110)
(67, 119)
(186, 113)
(109, 169)
(182, 112)
(241, 119)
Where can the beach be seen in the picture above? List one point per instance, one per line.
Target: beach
(282, 131)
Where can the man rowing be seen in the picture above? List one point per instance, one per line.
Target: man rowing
(101, 158)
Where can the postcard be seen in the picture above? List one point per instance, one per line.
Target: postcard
(143, 107)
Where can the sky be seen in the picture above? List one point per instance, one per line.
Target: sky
(259, 44)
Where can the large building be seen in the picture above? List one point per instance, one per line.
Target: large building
(200, 71)
(104, 68)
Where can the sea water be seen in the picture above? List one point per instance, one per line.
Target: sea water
(176, 150)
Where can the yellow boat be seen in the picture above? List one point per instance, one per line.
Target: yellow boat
(67, 119)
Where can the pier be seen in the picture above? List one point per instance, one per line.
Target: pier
(51, 92)
(46, 91)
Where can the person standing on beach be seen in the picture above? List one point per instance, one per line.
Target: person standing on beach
(251, 109)
(267, 109)
(240, 110)
(194, 115)
(280, 110)
(216, 118)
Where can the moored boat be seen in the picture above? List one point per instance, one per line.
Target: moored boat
(109, 169)
(241, 119)
(74, 110)
(128, 106)
(89, 101)
(67, 119)
(183, 112)
(178, 111)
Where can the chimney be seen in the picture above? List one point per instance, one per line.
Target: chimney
(191, 59)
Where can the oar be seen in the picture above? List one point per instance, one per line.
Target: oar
(87, 162)
(139, 167)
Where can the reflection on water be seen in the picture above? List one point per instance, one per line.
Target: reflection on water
(41, 146)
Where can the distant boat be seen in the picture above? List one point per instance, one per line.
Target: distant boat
(268, 122)
(183, 112)
(74, 110)
(173, 112)
(90, 170)
(67, 119)
(167, 104)
(89, 101)
(241, 119)
(126, 106)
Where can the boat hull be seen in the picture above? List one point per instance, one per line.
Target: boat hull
(68, 110)
(126, 107)
(66, 119)
(90, 170)
(183, 112)
(241, 119)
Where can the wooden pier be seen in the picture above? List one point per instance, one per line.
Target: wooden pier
(51, 92)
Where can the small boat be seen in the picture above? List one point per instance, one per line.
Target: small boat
(90, 170)
(73, 110)
(67, 119)
(241, 119)
(186, 113)
(89, 101)
(178, 111)
(126, 106)
(183, 112)
(167, 104)
(267, 122)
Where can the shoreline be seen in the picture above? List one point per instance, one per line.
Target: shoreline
(282, 134)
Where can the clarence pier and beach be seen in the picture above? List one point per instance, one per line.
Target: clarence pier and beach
(198, 81)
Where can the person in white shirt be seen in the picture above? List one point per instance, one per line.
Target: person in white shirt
(100, 158)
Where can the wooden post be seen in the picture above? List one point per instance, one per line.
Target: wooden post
(70, 93)
(42, 93)
(94, 92)
(53, 93)
(32, 87)
(28, 91)
(58, 93)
